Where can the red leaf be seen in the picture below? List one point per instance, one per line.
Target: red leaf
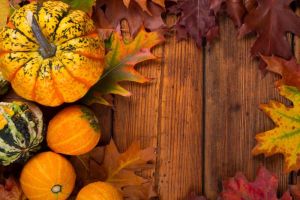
(109, 13)
(195, 20)
(271, 20)
(264, 187)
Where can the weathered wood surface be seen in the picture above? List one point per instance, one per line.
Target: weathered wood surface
(201, 112)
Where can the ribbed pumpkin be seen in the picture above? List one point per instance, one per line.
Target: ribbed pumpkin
(21, 131)
(99, 191)
(73, 131)
(48, 176)
(50, 53)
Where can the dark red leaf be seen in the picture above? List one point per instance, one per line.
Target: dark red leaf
(195, 20)
(271, 20)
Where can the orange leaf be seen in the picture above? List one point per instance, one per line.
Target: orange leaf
(120, 63)
(121, 169)
(288, 69)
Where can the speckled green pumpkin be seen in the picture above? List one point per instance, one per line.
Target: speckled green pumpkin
(21, 131)
(4, 85)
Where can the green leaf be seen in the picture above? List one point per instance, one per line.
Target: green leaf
(119, 65)
(85, 5)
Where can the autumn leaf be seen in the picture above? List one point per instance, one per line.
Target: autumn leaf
(120, 63)
(288, 69)
(195, 21)
(121, 169)
(86, 5)
(271, 20)
(143, 4)
(285, 137)
(264, 187)
(11, 190)
(109, 14)
(235, 9)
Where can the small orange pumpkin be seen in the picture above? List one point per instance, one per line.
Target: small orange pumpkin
(99, 191)
(48, 176)
(73, 131)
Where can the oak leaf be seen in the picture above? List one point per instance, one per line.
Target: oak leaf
(264, 187)
(121, 169)
(143, 4)
(235, 9)
(288, 69)
(271, 21)
(120, 62)
(11, 190)
(285, 137)
(109, 14)
(195, 20)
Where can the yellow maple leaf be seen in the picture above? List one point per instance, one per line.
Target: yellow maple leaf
(285, 137)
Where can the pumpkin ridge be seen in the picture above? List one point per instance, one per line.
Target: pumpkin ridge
(15, 73)
(29, 39)
(57, 91)
(17, 136)
(83, 146)
(80, 80)
(89, 56)
(82, 36)
(53, 37)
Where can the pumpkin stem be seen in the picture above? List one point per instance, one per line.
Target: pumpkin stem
(47, 50)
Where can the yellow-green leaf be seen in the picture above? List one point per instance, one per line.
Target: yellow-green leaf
(85, 5)
(285, 137)
(120, 63)
(4, 12)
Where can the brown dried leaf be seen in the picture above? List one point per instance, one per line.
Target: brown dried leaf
(288, 69)
(109, 14)
(121, 169)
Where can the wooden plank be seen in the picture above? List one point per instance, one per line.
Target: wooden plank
(234, 89)
(180, 122)
(136, 118)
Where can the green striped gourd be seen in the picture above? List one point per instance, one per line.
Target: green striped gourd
(21, 131)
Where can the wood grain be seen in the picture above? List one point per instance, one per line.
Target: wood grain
(167, 114)
(180, 121)
(234, 88)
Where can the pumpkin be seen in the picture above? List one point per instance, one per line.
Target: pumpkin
(73, 131)
(48, 176)
(99, 191)
(4, 85)
(50, 53)
(21, 131)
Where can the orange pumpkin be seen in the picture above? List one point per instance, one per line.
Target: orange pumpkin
(99, 191)
(48, 176)
(51, 56)
(73, 131)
